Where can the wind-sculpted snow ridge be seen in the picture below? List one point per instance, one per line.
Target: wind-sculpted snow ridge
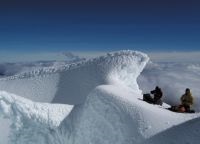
(31, 123)
(106, 111)
(71, 84)
(120, 55)
(13, 105)
(105, 117)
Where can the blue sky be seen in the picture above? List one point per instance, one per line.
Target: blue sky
(77, 25)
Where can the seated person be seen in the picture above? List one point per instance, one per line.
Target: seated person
(157, 96)
(187, 100)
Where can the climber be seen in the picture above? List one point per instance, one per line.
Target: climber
(187, 100)
(156, 98)
(186, 103)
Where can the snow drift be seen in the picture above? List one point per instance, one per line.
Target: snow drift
(71, 84)
(10, 69)
(104, 92)
(105, 117)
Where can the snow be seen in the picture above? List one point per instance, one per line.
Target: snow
(71, 83)
(10, 69)
(101, 104)
(40, 112)
(30, 120)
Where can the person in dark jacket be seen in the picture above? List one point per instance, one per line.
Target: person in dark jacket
(157, 95)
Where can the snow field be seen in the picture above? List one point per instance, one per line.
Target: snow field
(100, 105)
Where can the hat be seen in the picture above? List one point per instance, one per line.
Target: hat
(187, 89)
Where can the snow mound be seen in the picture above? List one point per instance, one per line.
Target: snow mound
(105, 117)
(15, 106)
(187, 132)
(30, 122)
(106, 109)
(71, 83)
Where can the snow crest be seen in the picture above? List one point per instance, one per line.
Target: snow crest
(70, 84)
(31, 122)
(105, 117)
(103, 93)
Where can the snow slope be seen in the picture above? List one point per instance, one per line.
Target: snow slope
(31, 121)
(105, 117)
(106, 109)
(71, 84)
(10, 69)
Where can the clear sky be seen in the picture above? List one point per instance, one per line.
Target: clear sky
(80, 25)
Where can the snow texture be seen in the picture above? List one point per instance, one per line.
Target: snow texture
(10, 69)
(105, 106)
(70, 84)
